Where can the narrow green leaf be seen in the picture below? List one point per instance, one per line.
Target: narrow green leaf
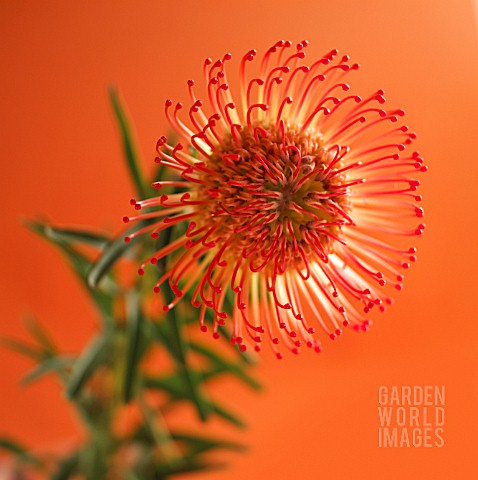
(170, 333)
(22, 348)
(76, 235)
(197, 444)
(130, 475)
(158, 431)
(134, 328)
(40, 334)
(165, 471)
(80, 264)
(54, 364)
(20, 451)
(225, 366)
(94, 355)
(227, 415)
(111, 253)
(193, 384)
(129, 147)
(175, 386)
(67, 467)
(67, 235)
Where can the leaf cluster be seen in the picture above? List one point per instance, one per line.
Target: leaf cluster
(113, 373)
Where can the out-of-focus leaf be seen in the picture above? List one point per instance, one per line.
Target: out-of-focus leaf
(225, 366)
(76, 235)
(80, 264)
(179, 351)
(160, 332)
(20, 451)
(57, 364)
(129, 147)
(159, 432)
(40, 334)
(135, 323)
(129, 475)
(111, 253)
(175, 386)
(90, 359)
(227, 415)
(197, 444)
(23, 348)
(170, 334)
(67, 467)
(177, 382)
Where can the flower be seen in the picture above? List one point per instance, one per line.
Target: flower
(292, 200)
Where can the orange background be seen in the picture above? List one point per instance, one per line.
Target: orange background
(61, 157)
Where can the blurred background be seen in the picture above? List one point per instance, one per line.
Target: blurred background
(61, 159)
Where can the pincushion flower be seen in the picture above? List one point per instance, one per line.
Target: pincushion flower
(298, 200)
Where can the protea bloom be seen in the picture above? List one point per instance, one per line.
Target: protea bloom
(293, 199)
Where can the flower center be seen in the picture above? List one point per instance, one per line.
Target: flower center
(274, 192)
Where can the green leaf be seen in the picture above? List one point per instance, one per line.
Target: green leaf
(22, 348)
(111, 253)
(169, 333)
(179, 351)
(20, 451)
(134, 327)
(53, 364)
(223, 366)
(173, 384)
(130, 475)
(129, 147)
(116, 248)
(227, 415)
(176, 387)
(71, 235)
(165, 471)
(158, 432)
(67, 467)
(95, 355)
(197, 444)
(40, 334)
(80, 264)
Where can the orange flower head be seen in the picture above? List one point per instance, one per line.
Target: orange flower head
(295, 201)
